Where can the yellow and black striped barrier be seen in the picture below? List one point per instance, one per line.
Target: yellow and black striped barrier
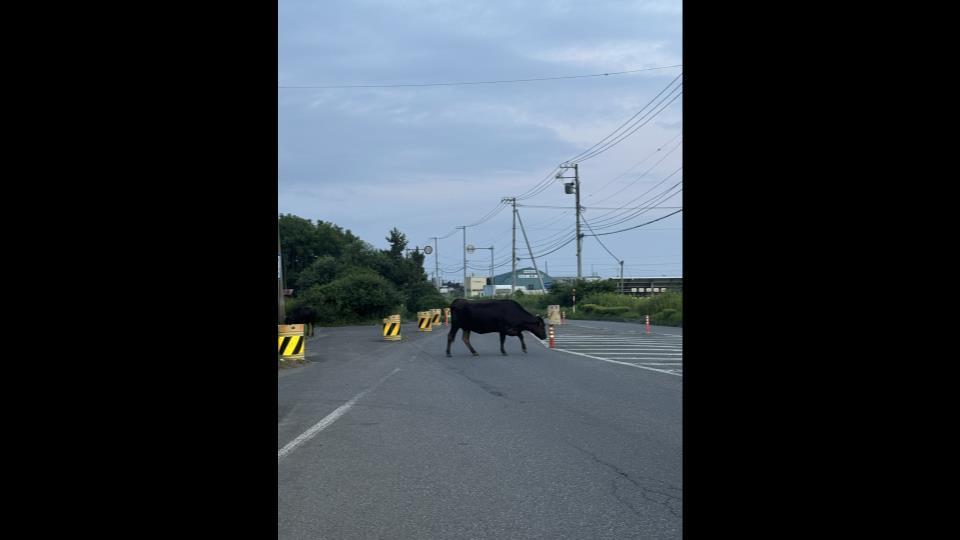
(290, 342)
(436, 317)
(391, 328)
(424, 319)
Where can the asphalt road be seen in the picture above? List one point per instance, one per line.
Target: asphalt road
(394, 440)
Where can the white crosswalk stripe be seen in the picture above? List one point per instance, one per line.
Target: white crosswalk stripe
(657, 352)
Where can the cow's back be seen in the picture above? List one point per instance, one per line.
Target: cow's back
(484, 316)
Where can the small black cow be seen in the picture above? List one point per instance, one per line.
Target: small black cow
(302, 315)
(484, 316)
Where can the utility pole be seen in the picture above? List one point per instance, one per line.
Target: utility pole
(575, 189)
(436, 260)
(576, 175)
(513, 254)
(281, 311)
(464, 260)
(621, 278)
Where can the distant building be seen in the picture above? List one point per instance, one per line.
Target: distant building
(451, 287)
(475, 286)
(527, 281)
(571, 279)
(646, 286)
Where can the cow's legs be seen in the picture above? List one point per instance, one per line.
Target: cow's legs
(503, 338)
(450, 335)
(520, 335)
(466, 339)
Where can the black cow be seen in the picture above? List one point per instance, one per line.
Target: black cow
(484, 316)
(302, 315)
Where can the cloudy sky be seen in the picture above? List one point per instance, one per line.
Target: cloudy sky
(426, 159)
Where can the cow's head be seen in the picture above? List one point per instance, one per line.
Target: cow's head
(538, 328)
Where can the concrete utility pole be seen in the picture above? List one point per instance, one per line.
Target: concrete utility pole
(621, 278)
(464, 227)
(436, 261)
(576, 176)
(513, 254)
(281, 311)
(575, 189)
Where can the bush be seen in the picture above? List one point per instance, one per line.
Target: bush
(561, 293)
(358, 298)
(423, 296)
(534, 303)
(589, 308)
(667, 317)
(604, 310)
(664, 309)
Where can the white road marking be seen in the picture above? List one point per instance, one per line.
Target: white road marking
(621, 363)
(615, 351)
(329, 419)
(636, 346)
(659, 363)
(628, 351)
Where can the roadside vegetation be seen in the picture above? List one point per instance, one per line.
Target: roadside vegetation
(597, 300)
(339, 279)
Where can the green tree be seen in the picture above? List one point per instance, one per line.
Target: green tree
(323, 270)
(398, 242)
(302, 243)
(356, 298)
(345, 279)
(298, 246)
(422, 295)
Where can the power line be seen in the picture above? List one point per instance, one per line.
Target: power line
(624, 218)
(593, 207)
(603, 145)
(634, 129)
(637, 226)
(475, 82)
(602, 141)
(645, 173)
(611, 214)
(539, 187)
(598, 240)
(637, 164)
(490, 214)
(558, 248)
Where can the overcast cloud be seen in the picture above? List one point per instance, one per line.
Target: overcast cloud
(427, 159)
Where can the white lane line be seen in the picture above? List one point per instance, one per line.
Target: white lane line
(621, 347)
(329, 419)
(624, 351)
(620, 335)
(617, 345)
(612, 341)
(660, 363)
(546, 346)
(621, 340)
(607, 345)
(640, 333)
(621, 363)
